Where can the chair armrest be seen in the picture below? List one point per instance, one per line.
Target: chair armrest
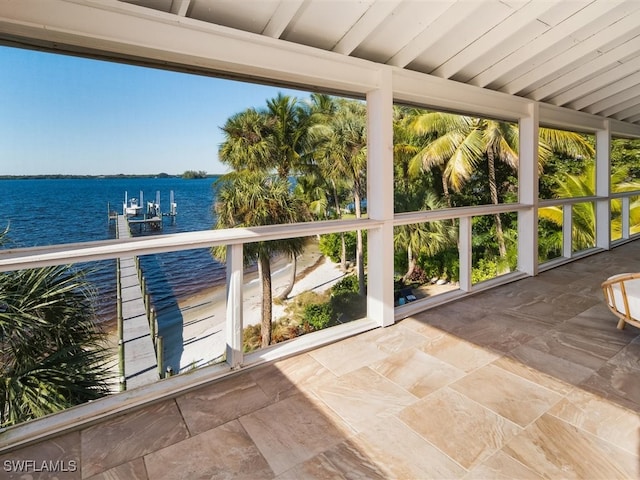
(622, 295)
(621, 277)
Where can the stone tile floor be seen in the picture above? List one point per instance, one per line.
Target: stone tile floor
(529, 380)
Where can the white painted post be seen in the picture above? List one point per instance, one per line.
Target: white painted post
(603, 187)
(465, 253)
(380, 200)
(234, 324)
(528, 192)
(567, 230)
(626, 212)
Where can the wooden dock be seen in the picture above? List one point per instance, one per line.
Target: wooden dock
(140, 361)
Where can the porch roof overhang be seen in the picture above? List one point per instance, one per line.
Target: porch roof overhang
(579, 60)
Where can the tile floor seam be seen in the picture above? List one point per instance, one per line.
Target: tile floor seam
(526, 379)
(392, 382)
(592, 435)
(486, 408)
(502, 450)
(144, 465)
(433, 445)
(184, 420)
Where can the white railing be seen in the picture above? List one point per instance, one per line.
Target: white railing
(234, 239)
(625, 215)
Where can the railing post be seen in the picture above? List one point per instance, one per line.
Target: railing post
(626, 213)
(160, 355)
(120, 324)
(147, 305)
(235, 268)
(121, 374)
(567, 230)
(465, 253)
(152, 324)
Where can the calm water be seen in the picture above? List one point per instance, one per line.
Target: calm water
(45, 212)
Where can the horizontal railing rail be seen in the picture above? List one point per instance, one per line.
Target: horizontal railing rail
(456, 213)
(34, 257)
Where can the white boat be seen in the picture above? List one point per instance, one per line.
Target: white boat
(132, 207)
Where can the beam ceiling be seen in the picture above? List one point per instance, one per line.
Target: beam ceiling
(579, 54)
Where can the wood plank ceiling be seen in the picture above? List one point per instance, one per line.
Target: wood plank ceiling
(579, 54)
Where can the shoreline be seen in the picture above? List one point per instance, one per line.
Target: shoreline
(194, 330)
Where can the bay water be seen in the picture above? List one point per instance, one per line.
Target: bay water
(46, 211)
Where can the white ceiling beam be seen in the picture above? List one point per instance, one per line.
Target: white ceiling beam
(571, 20)
(633, 119)
(631, 99)
(428, 91)
(605, 97)
(365, 25)
(629, 112)
(469, 26)
(121, 30)
(602, 63)
(446, 16)
(565, 119)
(513, 32)
(624, 129)
(613, 103)
(581, 52)
(596, 88)
(285, 12)
(180, 7)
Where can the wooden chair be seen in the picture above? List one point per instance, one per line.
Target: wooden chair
(622, 294)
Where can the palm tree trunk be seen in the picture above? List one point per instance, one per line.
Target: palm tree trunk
(412, 265)
(445, 188)
(493, 190)
(264, 271)
(343, 252)
(292, 279)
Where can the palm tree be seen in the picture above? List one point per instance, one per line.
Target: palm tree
(288, 122)
(266, 140)
(462, 142)
(453, 145)
(250, 199)
(246, 144)
(583, 232)
(341, 152)
(329, 181)
(429, 238)
(52, 353)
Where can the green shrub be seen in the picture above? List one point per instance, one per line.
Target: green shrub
(318, 315)
(484, 270)
(331, 246)
(348, 284)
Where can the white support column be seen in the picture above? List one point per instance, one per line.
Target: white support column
(603, 187)
(235, 269)
(528, 192)
(625, 211)
(380, 201)
(465, 253)
(567, 230)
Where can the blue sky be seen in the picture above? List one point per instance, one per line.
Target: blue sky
(67, 115)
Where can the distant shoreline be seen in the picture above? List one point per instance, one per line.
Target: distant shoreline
(82, 177)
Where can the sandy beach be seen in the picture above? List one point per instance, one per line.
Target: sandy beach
(194, 333)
